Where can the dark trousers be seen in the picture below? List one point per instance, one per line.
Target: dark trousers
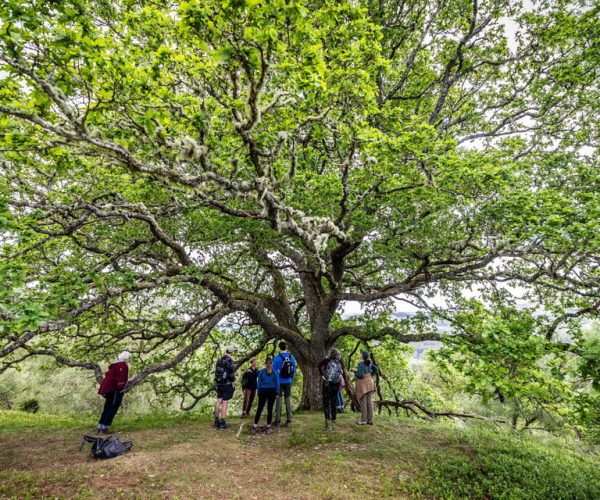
(330, 392)
(111, 405)
(267, 396)
(248, 400)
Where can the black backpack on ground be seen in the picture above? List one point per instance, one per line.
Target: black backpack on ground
(108, 447)
(287, 368)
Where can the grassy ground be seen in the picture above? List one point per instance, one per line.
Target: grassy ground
(183, 456)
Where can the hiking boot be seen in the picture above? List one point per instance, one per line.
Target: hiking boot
(254, 429)
(268, 430)
(216, 422)
(370, 423)
(328, 426)
(288, 423)
(223, 425)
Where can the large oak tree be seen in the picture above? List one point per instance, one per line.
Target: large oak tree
(168, 167)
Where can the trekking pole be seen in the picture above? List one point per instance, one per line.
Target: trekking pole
(240, 430)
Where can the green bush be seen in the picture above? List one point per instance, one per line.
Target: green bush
(30, 406)
(495, 465)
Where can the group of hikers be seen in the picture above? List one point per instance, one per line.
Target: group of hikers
(271, 383)
(274, 383)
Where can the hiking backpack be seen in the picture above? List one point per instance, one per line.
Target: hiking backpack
(333, 373)
(108, 447)
(287, 369)
(221, 374)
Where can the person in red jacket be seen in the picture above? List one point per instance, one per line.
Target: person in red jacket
(112, 389)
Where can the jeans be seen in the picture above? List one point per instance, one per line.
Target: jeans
(340, 402)
(330, 392)
(265, 396)
(112, 403)
(286, 391)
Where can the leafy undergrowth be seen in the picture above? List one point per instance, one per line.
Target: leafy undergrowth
(183, 456)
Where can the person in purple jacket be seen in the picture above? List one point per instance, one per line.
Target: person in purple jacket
(267, 386)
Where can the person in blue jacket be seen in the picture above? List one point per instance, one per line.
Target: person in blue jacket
(285, 366)
(267, 386)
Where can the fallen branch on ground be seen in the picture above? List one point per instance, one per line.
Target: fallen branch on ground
(413, 406)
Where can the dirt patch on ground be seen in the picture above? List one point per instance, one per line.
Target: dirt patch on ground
(195, 460)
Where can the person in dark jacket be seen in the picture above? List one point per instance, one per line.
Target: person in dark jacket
(249, 387)
(112, 389)
(268, 390)
(224, 378)
(332, 373)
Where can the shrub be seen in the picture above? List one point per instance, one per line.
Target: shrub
(30, 406)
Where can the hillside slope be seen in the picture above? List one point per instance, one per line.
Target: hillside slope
(183, 456)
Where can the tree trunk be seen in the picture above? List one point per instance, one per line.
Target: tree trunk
(312, 397)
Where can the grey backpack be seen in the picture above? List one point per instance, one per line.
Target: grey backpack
(334, 372)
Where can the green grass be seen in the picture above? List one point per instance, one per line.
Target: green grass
(15, 421)
(162, 420)
(181, 455)
(501, 466)
(19, 420)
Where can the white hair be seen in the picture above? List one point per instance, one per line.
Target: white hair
(124, 356)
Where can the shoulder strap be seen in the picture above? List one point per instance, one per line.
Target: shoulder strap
(83, 441)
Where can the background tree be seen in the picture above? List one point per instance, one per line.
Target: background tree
(175, 166)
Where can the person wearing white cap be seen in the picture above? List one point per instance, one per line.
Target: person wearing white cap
(224, 377)
(112, 389)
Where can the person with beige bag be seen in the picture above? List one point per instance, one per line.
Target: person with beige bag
(365, 387)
